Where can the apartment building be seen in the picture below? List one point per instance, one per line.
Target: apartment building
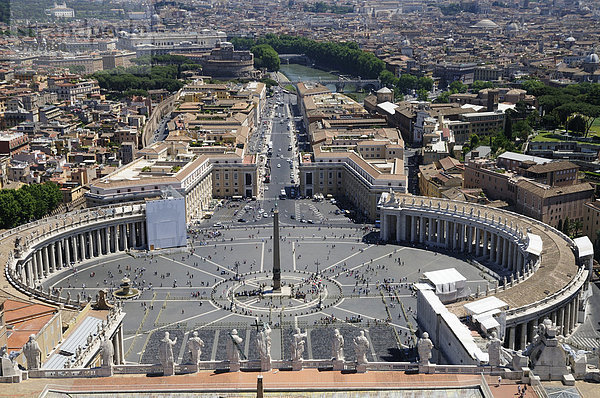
(535, 187)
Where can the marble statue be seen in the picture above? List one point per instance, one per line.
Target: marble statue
(298, 344)
(7, 365)
(33, 353)
(494, 347)
(263, 342)
(361, 345)
(424, 347)
(165, 354)
(338, 346)
(195, 345)
(234, 347)
(107, 352)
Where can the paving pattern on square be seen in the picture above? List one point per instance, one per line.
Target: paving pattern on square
(359, 286)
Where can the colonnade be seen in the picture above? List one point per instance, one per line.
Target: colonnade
(488, 235)
(565, 316)
(85, 243)
(470, 237)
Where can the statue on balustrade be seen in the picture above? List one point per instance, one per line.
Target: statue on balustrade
(107, 352)
(298, 345)
(337, 346)
(165, 354)
(33, 353)
(361, 345)
(195, 345)
(424, 347)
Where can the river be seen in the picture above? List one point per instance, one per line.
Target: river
(296, 72)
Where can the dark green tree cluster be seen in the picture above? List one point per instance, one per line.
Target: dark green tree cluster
(519, 121)
(406, 83)
(30, 202)
(142, 77)
(572, 228)
(321, 6)
(265, 57)
(574, 106)
(343, 57)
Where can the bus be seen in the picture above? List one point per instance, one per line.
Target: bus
(282, 194)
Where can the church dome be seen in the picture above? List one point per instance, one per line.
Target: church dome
(592, 59)
(485, 24)
(570, 39)
(513, 27)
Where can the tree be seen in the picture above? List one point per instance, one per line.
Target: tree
(474, 141)
(576, 123)
(479, 85)
(422, 95)
(458, 86)
(508, 130)
(566, 226)
(266, 57)
(443, 98)
(387, 78)
(560, 225)
(577, 227)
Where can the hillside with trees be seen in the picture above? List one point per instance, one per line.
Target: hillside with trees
(28, 203)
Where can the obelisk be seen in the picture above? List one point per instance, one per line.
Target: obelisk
(276, 262)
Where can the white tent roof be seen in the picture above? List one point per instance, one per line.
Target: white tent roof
(484, 305)
(535, 245)
(585, 246)
(388, 107)
(444, 276)
(487, 321)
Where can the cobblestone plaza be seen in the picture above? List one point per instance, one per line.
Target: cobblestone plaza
(358, 286)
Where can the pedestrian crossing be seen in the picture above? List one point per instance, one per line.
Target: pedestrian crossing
(317, 213)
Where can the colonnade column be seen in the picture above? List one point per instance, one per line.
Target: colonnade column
(132, 241)
(144, 241)
(461, 236)
(400, 231)
(447, 234)
(59, 246)
(493, 238)
(439, 231)
(477, 241)
(82, 246)
(90, 244)
(421, 229)
(45, 261)
(523, 340)
(567, 320)
(505, 252)
(29, 273)
(38, 264)
(485, 243)
(498, 251)
(113, 238)
(125, 237)
(52, 255)
(74, 247)
(511, 337)
(509, 260)
(68, 252)
(430, 224)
